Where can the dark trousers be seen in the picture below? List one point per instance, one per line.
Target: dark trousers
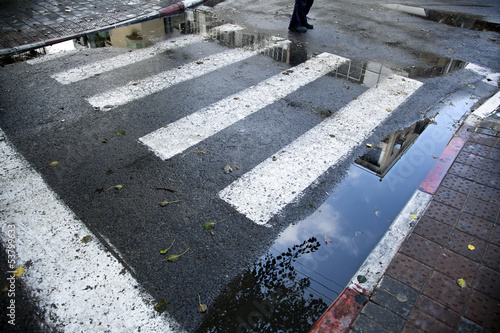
(300, 11)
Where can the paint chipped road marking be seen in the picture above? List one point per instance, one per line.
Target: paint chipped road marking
(178, 136)
(84, 72)
(265, 190)
(65, 276)
(143, 88)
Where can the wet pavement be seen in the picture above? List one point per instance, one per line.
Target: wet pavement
(295, 282)
(454, 19)
(299, 277)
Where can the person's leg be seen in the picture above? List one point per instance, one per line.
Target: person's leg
(297, 9)
(307, 6)
(297, 17)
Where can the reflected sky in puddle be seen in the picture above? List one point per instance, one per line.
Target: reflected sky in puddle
(343, 231)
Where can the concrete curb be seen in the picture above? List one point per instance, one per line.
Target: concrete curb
(343, 312)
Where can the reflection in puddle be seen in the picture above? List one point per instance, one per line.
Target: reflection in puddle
(381, 159)
(370, 74)
(295, 283)
(452, 19)
(272, 296)
(204, 22)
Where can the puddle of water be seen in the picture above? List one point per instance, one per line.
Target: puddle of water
(272, 296)
(453, 19)
(204, 22)
(312, 261)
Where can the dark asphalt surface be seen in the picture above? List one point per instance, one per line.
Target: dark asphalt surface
(47, 121)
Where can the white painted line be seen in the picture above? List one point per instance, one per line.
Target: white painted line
(407, 9)
(268, 188)
(188, 131)
(491, 77)
(81, 287)
(83, 72)
(484, 110)
(140, 89)
(379, 259)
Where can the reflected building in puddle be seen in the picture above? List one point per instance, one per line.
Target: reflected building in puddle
(383, 157)
(203, 21)
(370, 74)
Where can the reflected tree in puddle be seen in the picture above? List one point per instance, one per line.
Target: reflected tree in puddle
(269, 297)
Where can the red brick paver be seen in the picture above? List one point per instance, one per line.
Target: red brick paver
(457, 238)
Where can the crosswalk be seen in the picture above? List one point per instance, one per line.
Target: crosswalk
(271, 185)
(261, 193)
(177, 137)
(65, 275)
(266, 190)
(84, 72)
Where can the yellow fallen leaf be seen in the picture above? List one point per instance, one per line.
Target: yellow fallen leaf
(369, 145)
(471, 247)
(461, 283)
(119, 187)
(402, 298)
(413, 216)
(18, 272)
(53, 164)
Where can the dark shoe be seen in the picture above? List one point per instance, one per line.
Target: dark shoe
(308, 26)
(297, 29)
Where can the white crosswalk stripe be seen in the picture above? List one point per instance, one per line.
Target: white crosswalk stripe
(260, 194)
(107, 65)
(65, 275)
(125, 59)
(161, 81)
(173, 139)
(268, 188)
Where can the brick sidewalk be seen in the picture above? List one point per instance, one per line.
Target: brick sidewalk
(419, 291)
(31, 21)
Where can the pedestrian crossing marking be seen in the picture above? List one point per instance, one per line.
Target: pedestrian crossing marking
(148, 86)
(66, 276)
(176, 137)
(84, 72)
(265, 190)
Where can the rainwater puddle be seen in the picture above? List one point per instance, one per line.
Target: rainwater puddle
(448, 18)
(204, 22)
(312, 261)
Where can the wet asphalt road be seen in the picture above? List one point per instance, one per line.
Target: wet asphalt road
(47, 121)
